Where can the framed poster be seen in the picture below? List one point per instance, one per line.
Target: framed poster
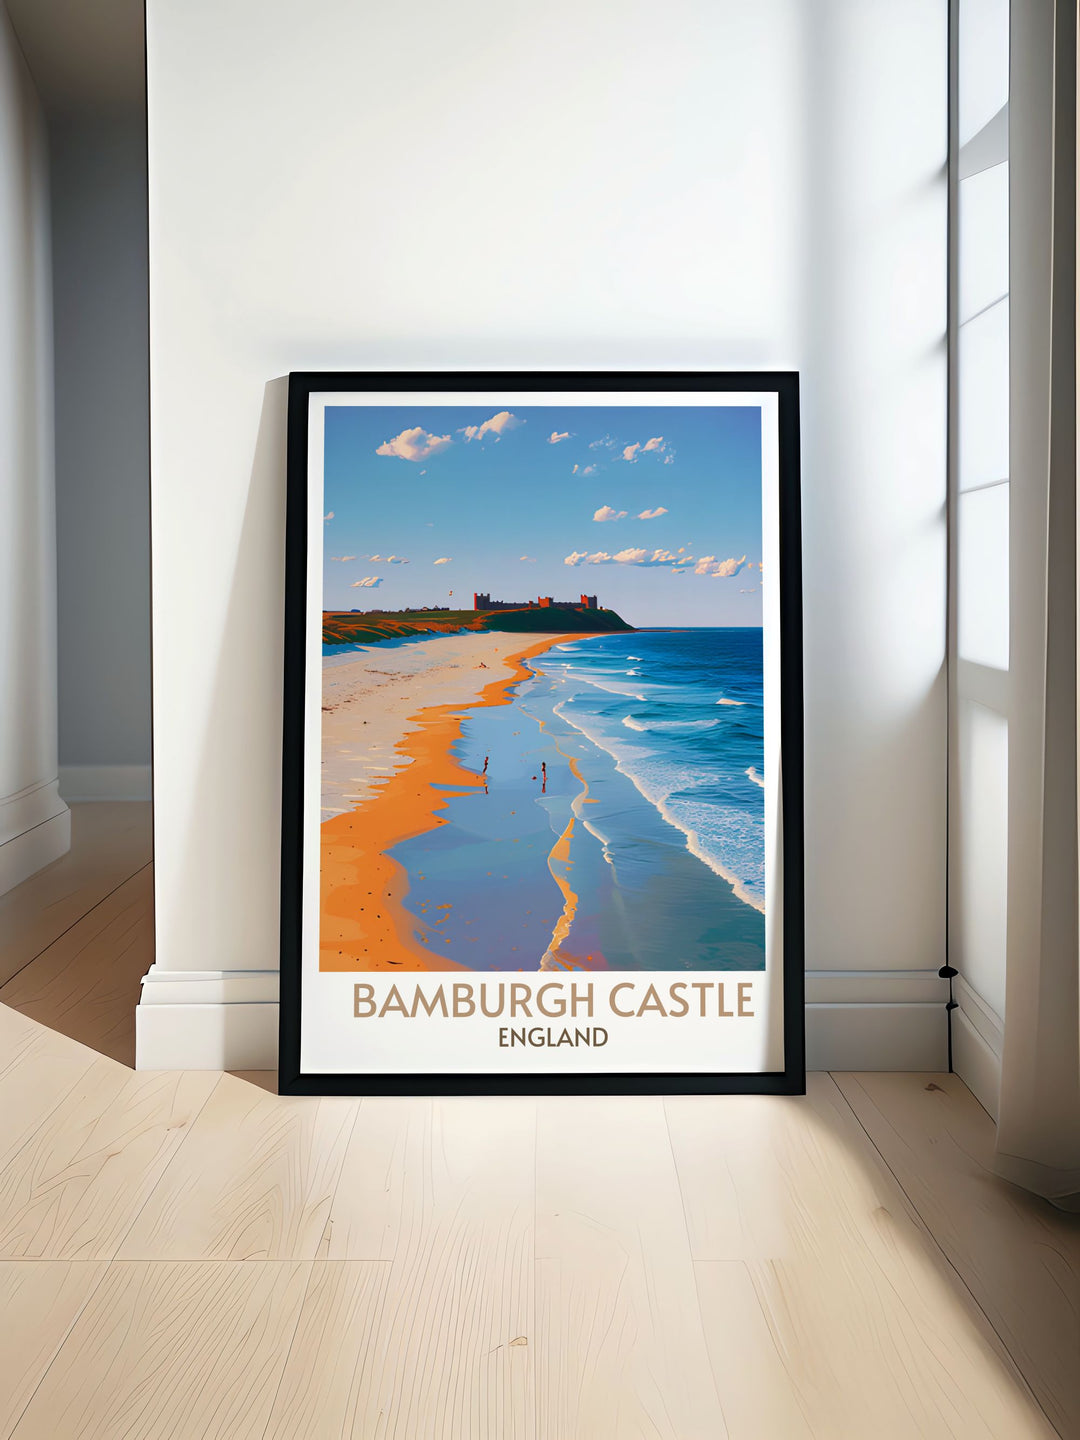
(542, 812)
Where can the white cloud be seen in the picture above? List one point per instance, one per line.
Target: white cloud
(607, 512)
(329, 515)
(369, 582)
(587, 470)
(342, 558)
(669, 459)
(442, 560)
(729, 567)
(386, 559)
(498, 425)
(722, 569)
(634, 555)
(606, 442)
(556, 436)
(652, 514)
(659, 559)
(531, 559)
(414, 444)
(656, 445)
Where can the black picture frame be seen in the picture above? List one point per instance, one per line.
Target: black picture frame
(791, 1080)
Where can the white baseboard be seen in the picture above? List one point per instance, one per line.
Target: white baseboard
(228, 1020)
(877, 1037)
(207, 1020)
(105, 782)
(978, 1036)
(876, 1020)
(206, 1037)
(209, 987)
(35, 830)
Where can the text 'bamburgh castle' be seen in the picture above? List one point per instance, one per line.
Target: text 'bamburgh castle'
(542, 602)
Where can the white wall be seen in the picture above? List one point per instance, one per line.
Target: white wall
(493, 184)
(98, 166)
(34, 822)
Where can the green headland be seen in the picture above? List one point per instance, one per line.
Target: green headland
(355, 627)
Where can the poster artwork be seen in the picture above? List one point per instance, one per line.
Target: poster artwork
(538, 637)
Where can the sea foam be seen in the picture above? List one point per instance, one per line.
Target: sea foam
(694, 768)
(632, 723)
(661, 796)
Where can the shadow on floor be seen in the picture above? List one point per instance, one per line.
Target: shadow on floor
(264, 1079)
(77, 937)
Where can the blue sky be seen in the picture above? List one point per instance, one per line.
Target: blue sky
(656, 510)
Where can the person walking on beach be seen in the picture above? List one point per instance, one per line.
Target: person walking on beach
(484, 771)
(543, 772)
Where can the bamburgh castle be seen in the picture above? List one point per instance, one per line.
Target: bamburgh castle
(542, 602)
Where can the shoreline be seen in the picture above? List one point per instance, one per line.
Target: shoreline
(371, 698)
(659, 804)
(364, 922)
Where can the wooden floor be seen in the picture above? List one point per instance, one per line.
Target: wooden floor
(189, 1255)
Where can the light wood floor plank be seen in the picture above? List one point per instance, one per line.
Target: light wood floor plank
(332, 1370)
(870, 1329)
(86, 984)
(1019, 1256)
(622, 1351)
(412, 1161)
(855, 1358)
(39, 1303)
(253, 1180)
(37, 1069)
(172, 1351)
(738, 1159)
(74, 1188)
(109, 843)
(442, 1192)
(750, 1362)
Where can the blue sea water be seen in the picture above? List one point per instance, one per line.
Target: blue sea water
(682, 714)
(622, 822)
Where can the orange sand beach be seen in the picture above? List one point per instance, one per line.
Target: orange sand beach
(364, 924)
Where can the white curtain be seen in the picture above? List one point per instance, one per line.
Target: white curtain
(1038, 1137)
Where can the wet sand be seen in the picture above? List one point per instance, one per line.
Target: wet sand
(380, 779)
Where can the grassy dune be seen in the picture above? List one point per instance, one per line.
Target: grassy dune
(343, 627)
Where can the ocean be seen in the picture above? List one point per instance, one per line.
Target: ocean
(623, 823)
